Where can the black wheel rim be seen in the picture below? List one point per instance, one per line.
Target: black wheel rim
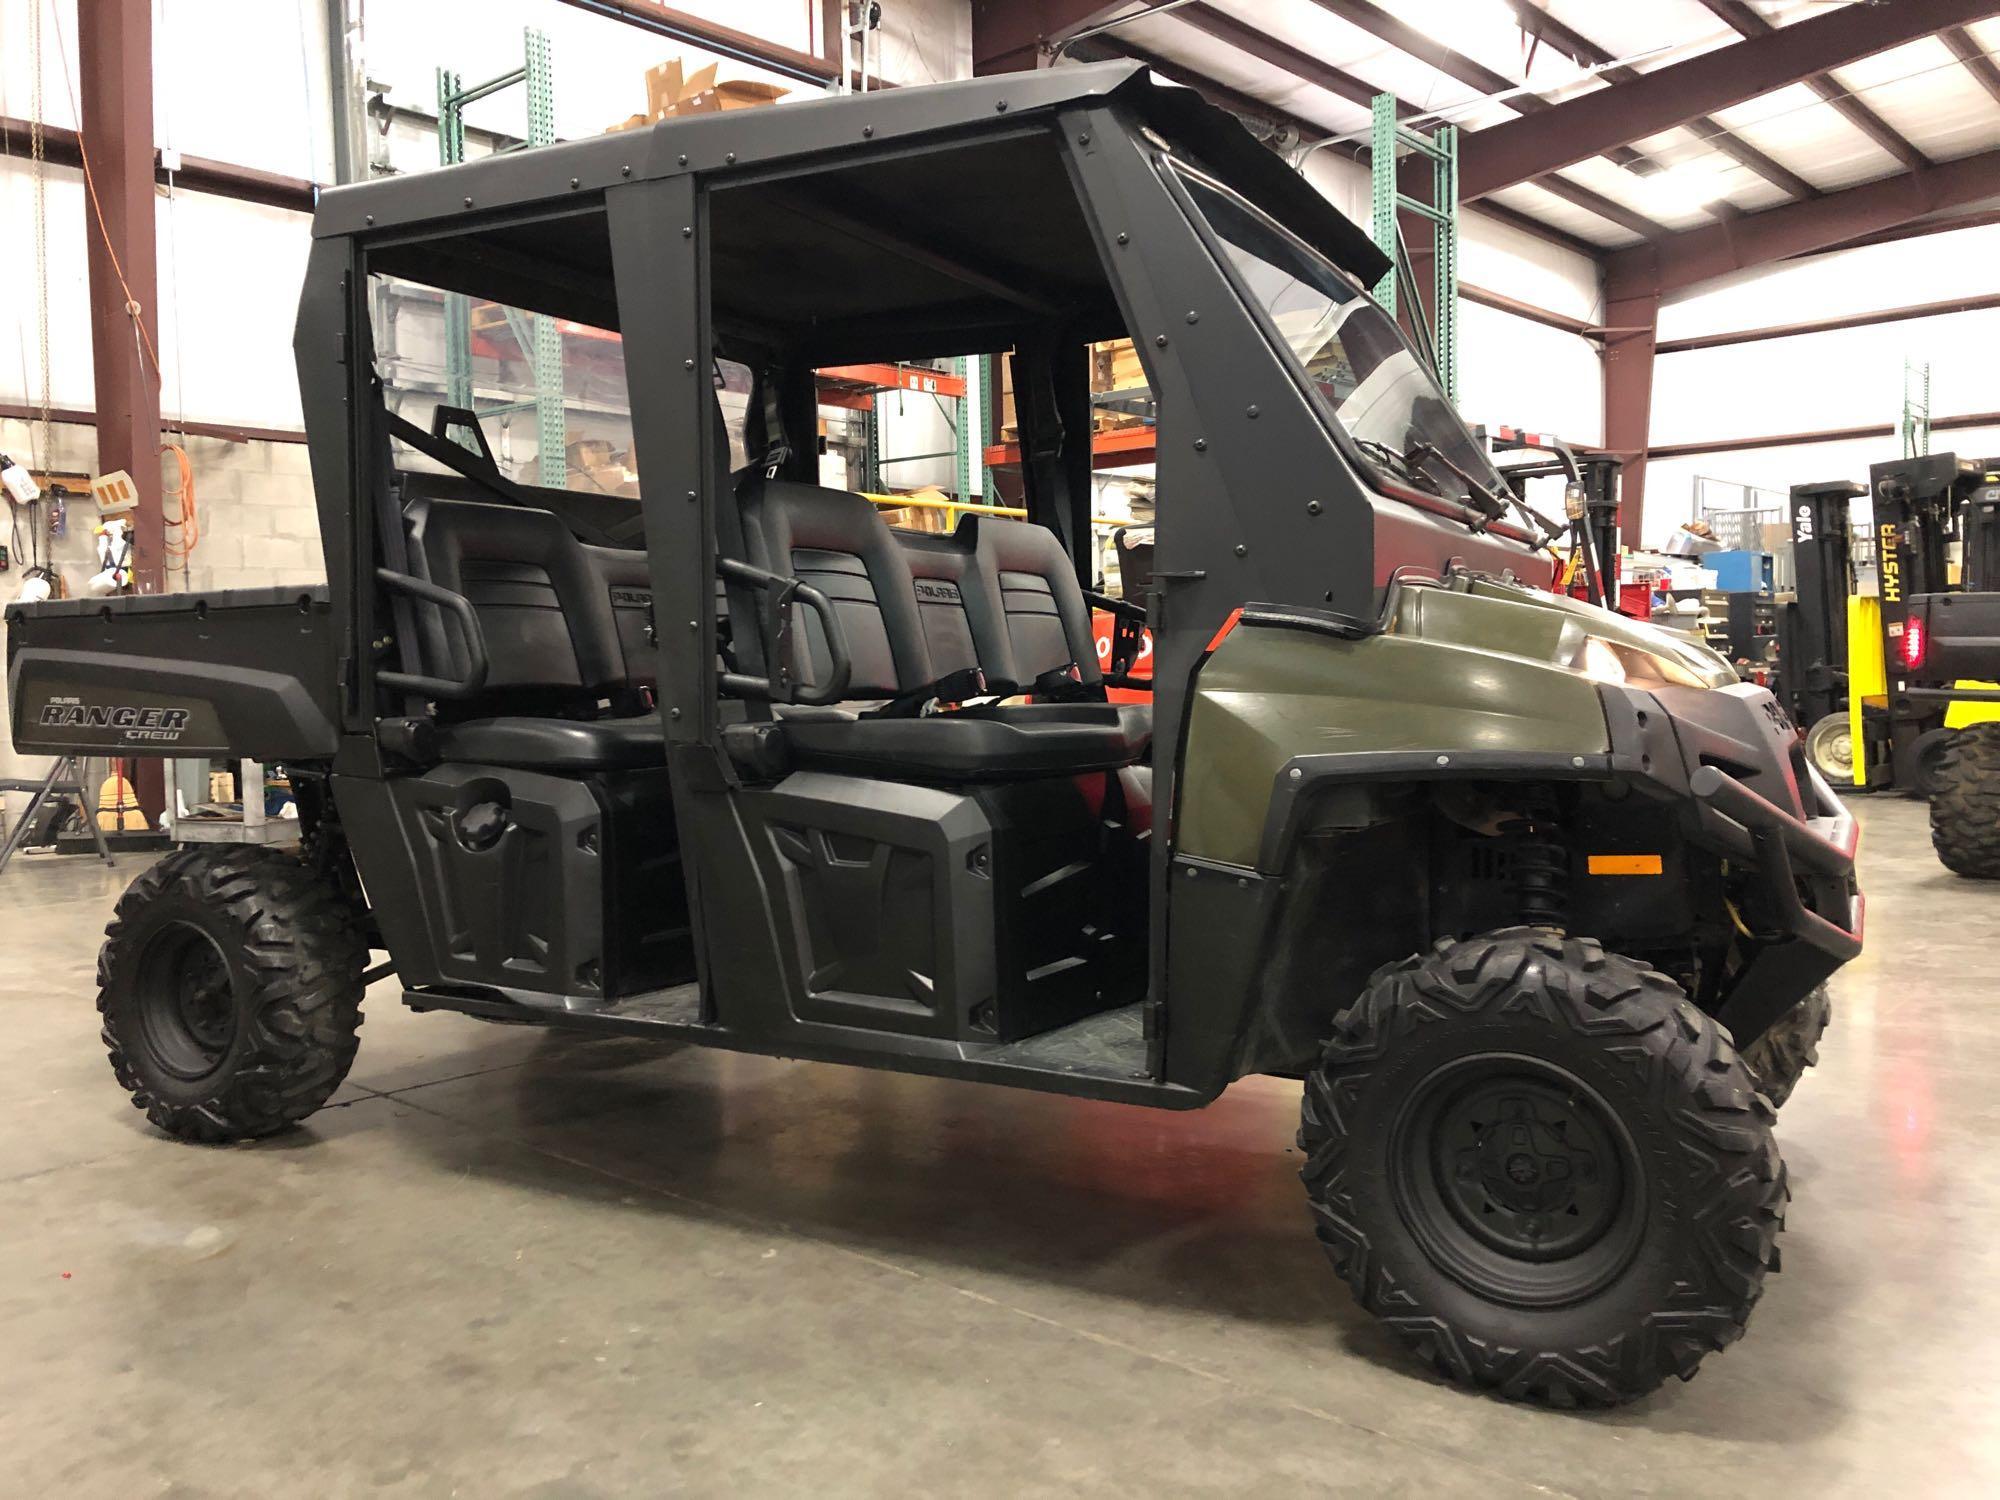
(1518, 1180)
(186, 1002)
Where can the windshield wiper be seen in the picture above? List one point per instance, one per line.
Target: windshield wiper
(1409, 465)
(1493, 503)
(1399, 461)
(1490, 503)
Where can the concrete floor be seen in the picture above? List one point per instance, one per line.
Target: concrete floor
(514, 1263)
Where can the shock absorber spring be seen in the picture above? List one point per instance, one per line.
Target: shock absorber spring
(1540, 862)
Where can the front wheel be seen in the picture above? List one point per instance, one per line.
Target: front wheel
(1543, 1168)
(230, 989)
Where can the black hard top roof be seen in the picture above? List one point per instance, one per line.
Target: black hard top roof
(833, 127)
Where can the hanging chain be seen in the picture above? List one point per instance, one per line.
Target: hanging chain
(38, 153)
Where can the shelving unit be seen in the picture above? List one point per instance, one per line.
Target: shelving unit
(1390, 140)
(540, 337)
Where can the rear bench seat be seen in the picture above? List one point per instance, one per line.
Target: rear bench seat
(569, 662)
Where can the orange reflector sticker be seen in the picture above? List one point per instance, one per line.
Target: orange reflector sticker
(1625, 864)
(1228, 625)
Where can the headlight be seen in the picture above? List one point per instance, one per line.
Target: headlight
(1621, 665)
(1600, 661)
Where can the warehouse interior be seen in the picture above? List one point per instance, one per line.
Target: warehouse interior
(1623, 367)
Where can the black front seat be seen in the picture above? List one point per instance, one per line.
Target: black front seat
(839, 543)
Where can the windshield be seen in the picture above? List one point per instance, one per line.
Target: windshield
(1373, 385)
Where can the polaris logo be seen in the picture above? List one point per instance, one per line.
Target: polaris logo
(157, 724)
(631, 599)
(937, 591)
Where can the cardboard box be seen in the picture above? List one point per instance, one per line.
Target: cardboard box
(671, 91)
(609, 479)
(592, 453)
(1114, 366)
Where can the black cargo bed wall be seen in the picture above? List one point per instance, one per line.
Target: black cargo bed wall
(237, 672)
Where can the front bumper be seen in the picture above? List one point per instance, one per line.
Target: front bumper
(1749, 795)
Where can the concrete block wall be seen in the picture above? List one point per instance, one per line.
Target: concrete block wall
(257, 519)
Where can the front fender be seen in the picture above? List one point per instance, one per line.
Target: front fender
(1272, 700)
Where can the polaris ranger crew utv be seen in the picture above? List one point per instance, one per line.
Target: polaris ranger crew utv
(1504, 879)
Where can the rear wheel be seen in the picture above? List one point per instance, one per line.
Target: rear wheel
(230, 989)
(1542, 1167)
(1965, 808)
(1931, 748)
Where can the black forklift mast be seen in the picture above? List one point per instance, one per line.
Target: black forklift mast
(1812, 629)
(1590, 499)
(1979, 531)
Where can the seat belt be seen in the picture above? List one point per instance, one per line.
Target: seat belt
(949, 691)
(777, 446)
(746, 640)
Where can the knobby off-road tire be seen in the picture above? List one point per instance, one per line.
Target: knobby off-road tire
(1965, 808)
(1543, 1168)
(230, 989)
(1780, 1057)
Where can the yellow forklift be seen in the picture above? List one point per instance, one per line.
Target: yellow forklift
(1857, 670)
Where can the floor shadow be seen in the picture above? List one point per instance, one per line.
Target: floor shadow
(1179, 1212)
(1182, 1210)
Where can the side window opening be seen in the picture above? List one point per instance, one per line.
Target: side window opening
(548, 393)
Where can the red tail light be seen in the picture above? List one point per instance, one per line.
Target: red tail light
(1913, 644)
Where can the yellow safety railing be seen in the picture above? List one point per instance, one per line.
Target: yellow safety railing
(953, 509)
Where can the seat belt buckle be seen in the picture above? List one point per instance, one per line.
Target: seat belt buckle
(962, 686)
(1062, 684)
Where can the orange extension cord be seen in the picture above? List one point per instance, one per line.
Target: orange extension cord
(188, 523)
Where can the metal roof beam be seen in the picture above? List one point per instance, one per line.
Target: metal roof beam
(1679, 92)
(724, 41)
(1309, 69)
(1454, 64)
(1012, 36)
(1694, 256)
(1579, 48)
(1310, 131)
(1977, 63)
(1280, 54)
(1596, 203)
(1749, 23)
(1985, 302)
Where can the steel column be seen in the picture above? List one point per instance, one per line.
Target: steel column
(1628, 397)
(115, 51)
(115, 47)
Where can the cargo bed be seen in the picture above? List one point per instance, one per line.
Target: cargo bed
(238, 672)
